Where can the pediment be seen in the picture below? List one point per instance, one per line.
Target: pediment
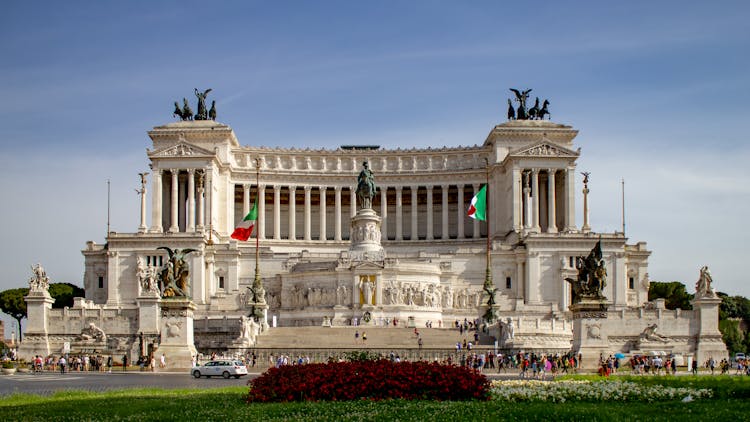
(366, 266)
(181, 149)
(545, 149)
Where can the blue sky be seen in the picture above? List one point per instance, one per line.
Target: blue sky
(658, 91)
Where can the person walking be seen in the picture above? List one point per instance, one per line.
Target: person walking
(109, 364)
(61, 363)
(163, 361)
(364, 337)
(124, 362)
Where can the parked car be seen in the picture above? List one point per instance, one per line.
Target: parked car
(221, 367)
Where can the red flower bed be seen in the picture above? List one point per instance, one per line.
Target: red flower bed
(373, 380)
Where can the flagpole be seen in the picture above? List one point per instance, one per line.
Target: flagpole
(108, 208)
(256, 282)
(623, 206)
(488, 275)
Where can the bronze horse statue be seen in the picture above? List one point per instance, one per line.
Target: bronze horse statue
(540, 114)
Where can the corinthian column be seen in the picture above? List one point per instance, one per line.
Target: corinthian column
(156, 205)
(399, 214)
(414, 216)
(307, 212)
(461, 213)
(292, 212)
(551, 214)
(261, 212)
(476, 233)
(322, 190)
(174, 227)
(337, 214)
(445, 234)
(535, 200)
(430, 235)
(190, 226)
(384, 212)
(277, 212)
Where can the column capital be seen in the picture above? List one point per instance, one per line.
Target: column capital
(174, 171)
(191, 171)
(551, 171)
(261, 187)
(535, 171)
(322, 188)
(292, 188)
(399, 188)
(337, 189)
(307, 188)
(276, 188)
(445, 187)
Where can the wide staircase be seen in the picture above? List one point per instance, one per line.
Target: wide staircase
(377, 338)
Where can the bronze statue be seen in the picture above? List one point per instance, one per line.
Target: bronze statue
(521, 97)
(174, 276)
(184, 113)
(202, 113)
(534, 111)
(543, 110)
(592, 276)
(212, 112)
(511, 110)
(366, 188)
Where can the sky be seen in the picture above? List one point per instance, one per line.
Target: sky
(658, 91)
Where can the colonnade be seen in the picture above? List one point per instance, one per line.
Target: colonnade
(188, 200)
(544, 207)
(418, 220)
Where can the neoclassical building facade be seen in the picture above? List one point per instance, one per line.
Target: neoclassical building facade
(431, 262)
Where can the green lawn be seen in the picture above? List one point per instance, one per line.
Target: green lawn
(730, 403)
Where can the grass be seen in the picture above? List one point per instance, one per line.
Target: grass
(228, 404)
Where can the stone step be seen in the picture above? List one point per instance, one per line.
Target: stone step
(377, 337)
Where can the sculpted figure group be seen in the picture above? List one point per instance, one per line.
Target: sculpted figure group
(186, 113)
(592, 276)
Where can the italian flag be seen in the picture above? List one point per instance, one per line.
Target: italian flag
(478, 207)
(244, 230)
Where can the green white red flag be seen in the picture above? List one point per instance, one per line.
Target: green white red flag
(478, 207)
(244, 230)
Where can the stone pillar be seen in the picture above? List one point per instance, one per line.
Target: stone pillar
(586, 227)
(475, 223)
(570, 200)
(414, 215)
(445, 235)
(177, 341)
(277, 212)
(399, 214)
(384, 212)
(535, 197)
(245, 199)
(190, 226)
(460, 212)
(174, 227)
(709, 342)
(517, 200)
(292, 212)
(337, 214)
(36, 341)
(156, 205)
(352, 202)
(590, 333)
(308, 236)
(526, 201)
(520, 281)
(209, 213)
(551, 214)
(142, 227)
(261, 212)
(430, 235)
(201, 191)
(323, 227)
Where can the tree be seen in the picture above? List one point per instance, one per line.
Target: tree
(13, 304)
(12, 301)
(63, 293)
(674, 293)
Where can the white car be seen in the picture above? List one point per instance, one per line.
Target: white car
(221, 367)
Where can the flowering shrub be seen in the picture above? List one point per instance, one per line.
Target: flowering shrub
(374, 380)
(562, 391)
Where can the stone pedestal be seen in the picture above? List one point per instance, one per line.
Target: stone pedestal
(176, 324)
(36, 341)
(148, 314)
(365, 237)
(589, 339)
(708, 338)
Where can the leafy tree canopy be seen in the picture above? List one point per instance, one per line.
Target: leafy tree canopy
(674, 293)
(63, 293)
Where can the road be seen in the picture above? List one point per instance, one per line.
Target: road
(49, 382)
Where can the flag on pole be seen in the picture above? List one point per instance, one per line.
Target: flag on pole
(244, 230)
(478, 207)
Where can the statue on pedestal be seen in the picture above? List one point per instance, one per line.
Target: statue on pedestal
(174, 277)
(592, 276)
(703, 287)
(366, 188)
(39, 282)
(202, 113)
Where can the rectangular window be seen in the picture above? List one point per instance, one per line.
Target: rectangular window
(101, 282)
(508, 283)
(221, 282)
(631, 283)
(572, 262)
